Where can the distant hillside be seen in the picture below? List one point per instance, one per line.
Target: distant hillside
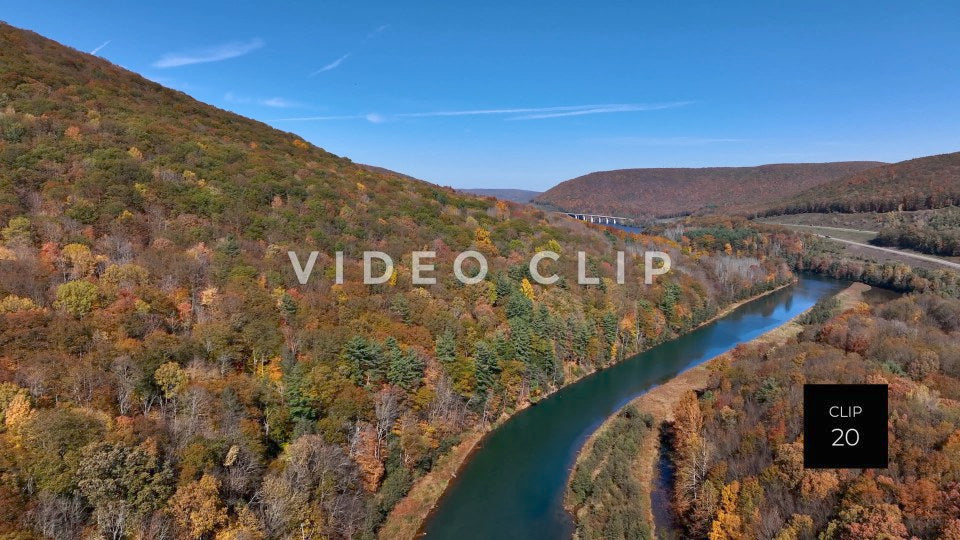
(916, 184)
(677, 191)
(515, 195)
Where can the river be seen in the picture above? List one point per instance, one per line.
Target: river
(513, 484)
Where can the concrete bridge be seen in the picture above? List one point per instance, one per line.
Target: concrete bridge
(604, 220)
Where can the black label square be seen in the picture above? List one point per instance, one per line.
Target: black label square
(845, 426)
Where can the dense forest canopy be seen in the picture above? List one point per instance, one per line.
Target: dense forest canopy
(162, 374)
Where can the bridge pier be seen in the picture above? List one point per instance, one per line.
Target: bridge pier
(601, 220)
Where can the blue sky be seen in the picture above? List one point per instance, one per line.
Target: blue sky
(527, 94)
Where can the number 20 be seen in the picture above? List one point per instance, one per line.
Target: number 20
(851, 437)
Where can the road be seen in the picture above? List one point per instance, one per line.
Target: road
(826, 227)
(953, 265)
(937, 260)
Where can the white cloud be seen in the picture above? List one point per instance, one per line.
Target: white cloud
(324, 118)
(332, 65)
(276, 102)
(336, 63)
(210, 54)
(379, 29)
(600, 109)
(102, 45)
(233, 98)
(480, 112)
(525, 113)
(279, 103)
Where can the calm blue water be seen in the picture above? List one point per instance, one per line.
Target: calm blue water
(513, 485)
(628, 228)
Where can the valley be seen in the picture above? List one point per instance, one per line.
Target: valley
(223, 317)
(512, 486)
(748, 454)
(150, 313)
(597, 513)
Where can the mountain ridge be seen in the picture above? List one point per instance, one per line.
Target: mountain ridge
(672, 191)
(915, 184)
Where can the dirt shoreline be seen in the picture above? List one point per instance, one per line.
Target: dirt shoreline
(407, 518)
(660, 401)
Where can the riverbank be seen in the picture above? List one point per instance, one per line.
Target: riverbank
(660, 402)
(408, 516)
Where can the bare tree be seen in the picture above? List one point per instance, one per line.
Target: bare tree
(447, 404)
(126, 375)
(243, 468)
(58, 517)
(335, 488)
(387, 409)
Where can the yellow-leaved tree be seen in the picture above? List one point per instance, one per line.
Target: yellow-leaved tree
(727, 524)
(527, 288)
(197, 509)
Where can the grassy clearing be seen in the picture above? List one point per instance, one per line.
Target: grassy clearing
(608, 497)
(854, 235)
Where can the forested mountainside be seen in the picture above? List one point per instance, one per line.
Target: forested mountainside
(916, 184)
(738, 452)
(162, 372)
(678, 191)
(736, 444)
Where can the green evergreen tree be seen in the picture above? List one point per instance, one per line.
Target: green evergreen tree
(122, 482)
(406, 368)
(671, 296)
(365, 362)
(544, 360)
(609, 323)
(230, 247)
(503, 347)
(581, 339)
(302, 410)
(520, 339)
(288, 307)
(400, 307)
(541, 322)
(504, 287)
(487, 369)
(519, 306)
(446, 348)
